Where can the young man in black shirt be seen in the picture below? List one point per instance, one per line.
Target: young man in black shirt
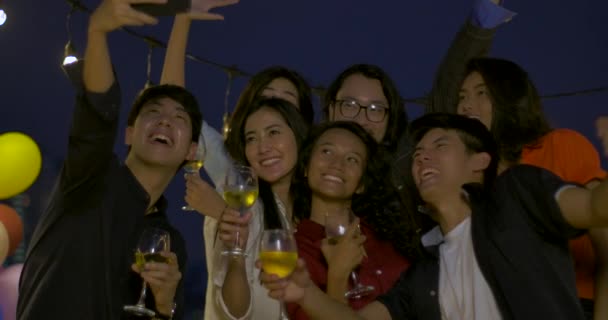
(500, 250)
(80, 260)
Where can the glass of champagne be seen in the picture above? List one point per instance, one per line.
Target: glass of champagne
(279, 255)
(151, 243)
(336, 225)
(194, 165)
(240, 193)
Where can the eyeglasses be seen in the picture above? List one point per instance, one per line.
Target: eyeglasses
(375, 112)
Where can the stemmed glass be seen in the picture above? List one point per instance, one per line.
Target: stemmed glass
(151, 243)
(279, 255)
(240, 193)
(194, 166)
(336, 225)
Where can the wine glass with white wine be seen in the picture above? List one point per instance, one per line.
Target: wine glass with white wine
(240, 193)
(194, 166)
(279, 255)
(151, 243)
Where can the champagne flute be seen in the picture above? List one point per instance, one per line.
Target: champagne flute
(240, 193)
(194, 166)
(336, 225)
(279, 255)
(151, 243)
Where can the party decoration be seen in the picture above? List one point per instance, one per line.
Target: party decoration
(20, 162)
(11, 231)
(9, 290)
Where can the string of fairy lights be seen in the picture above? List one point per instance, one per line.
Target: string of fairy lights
(232, 71)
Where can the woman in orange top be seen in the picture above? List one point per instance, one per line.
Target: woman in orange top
(501, 95)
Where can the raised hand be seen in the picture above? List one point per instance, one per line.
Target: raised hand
(199, 9)
(113, 14)
(230, 223)
(201, 196)
(289, 289)
(347, 252)
(163, 279)
(602, 132)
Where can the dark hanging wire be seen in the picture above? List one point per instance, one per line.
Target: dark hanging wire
(576, 93)
(77, 5)
(68, 22)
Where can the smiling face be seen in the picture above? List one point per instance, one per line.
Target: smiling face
(442, 165)
(475, 100)
(270, 145)
(337, 163)
(161, 134)
(364, 91)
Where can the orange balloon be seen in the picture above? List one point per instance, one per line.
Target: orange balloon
(13, 225)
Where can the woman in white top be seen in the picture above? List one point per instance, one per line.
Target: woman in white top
(272, 82)
(269, 134)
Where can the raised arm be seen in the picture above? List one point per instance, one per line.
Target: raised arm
(234, 293)
(95, 119)
(599, 239)
(216, 160)
(584, 208)
(473, 40)
(174, 65)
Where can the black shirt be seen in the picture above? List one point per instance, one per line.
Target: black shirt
(520, 239)
(78, 262)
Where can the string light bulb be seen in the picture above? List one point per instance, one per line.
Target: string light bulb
(69, 54)
(226, 125)
(226, 118)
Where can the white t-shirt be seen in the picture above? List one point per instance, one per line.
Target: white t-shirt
(464, 293)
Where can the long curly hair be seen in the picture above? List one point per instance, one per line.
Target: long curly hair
(378, 204)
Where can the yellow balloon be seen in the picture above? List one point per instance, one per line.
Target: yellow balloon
(20, 162)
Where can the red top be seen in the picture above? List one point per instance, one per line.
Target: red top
(569, 155)
(381, 268)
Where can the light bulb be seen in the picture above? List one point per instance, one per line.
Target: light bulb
(69, 60)
(226, 125)
(2, 17)
(69, 54)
